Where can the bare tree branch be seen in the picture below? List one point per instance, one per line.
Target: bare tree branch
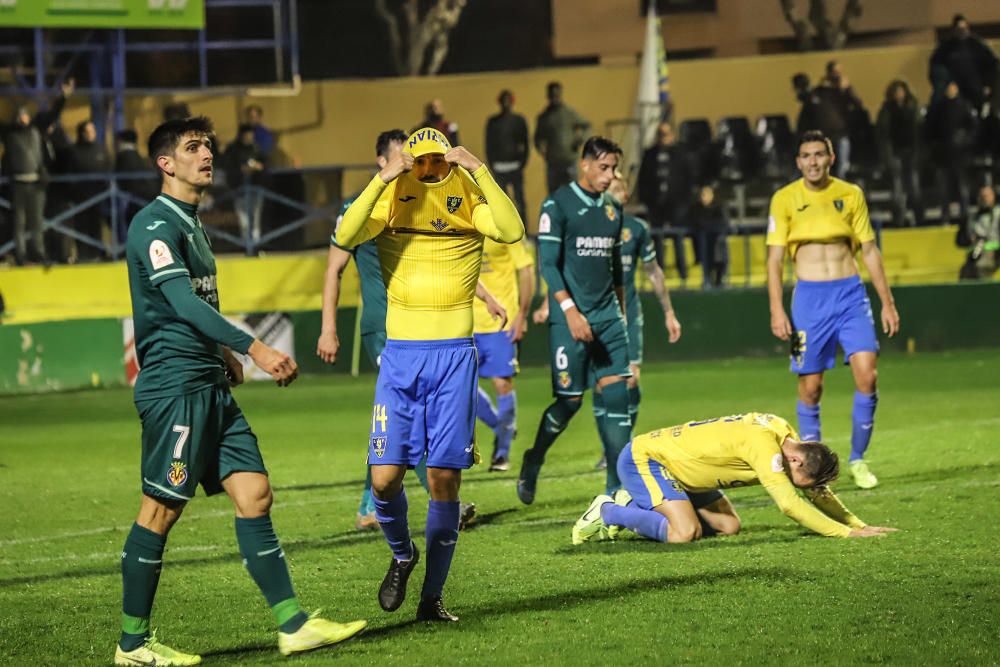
(395, 41)
(414, 40)
(799, 26)
(852, 12)
(828, 35)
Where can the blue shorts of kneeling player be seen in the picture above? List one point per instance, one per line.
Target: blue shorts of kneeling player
(828, 313)
(497, 355)
(425, 402)
(650, 483)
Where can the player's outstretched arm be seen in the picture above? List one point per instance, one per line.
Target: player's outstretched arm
(328, 343)
(205, 319)
(525, 292)
(281, 367)
(655, 274)
(872, 258)
(829, 504)
(781, 326)
(499, 218)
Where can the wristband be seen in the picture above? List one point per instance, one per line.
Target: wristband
(566, 304)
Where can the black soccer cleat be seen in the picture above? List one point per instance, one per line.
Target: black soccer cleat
(432, 609)
(392, 592)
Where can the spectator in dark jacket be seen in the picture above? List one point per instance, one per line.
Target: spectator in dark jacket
(129, 161)
(711, 229)
(507, 148)
(950, 129)
(24, 163)
(968, 61)
(434, 117)
(559, 134)
(88, 156)
(665, 188)
(262, 134)
(244, 164)
(899, 148)
(834, 107)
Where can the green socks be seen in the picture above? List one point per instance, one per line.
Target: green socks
(142, 558)
(265, 561)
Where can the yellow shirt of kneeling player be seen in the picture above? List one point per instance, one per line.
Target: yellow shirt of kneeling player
(429, 223)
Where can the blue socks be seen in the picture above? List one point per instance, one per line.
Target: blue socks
(392, 517)
(809, 429)
(485, 410)
(441, 535)
(862, 423)
(507, 424)
(649, 524)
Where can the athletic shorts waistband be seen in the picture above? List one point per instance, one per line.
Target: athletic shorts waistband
(830, 284)
(396, 343)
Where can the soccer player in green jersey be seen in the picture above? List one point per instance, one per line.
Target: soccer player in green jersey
(193, 432)
(579, 248)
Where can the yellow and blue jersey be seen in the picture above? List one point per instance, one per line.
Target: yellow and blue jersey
(742, 450)
(798, 215)
(430, 244)
(499, 275)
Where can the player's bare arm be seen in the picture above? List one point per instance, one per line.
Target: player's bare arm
(281, 367)
(329, 344)
(872, 258)
(781, 326)
(526, 290)
(493, 307)
(541, 314)
(670, 320)
(234, 367)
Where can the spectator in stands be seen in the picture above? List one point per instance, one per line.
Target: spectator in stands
(24, 163)
(176, 111)
(711, 228)
(129, 161)
(899, 148)
(803, 93)
(244, 164)
(985, 237)
(665, 188)
(968, 61)
(434, 117)
(507, 149)
(559, 133)
(89, 156)
(262, 136)
(950, 129)
(833, 108)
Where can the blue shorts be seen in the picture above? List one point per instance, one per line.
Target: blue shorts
(650, 483)
(425, 402)
(826, 314)
(497, 355)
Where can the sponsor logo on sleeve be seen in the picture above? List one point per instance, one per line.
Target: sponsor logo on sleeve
(778, 463)
(772, 224)
(544, 224)
(159, 255)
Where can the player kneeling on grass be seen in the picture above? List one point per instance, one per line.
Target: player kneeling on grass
(671, 479)
(193, 432)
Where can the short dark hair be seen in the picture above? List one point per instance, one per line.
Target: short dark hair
(244, 127)
(820, 463)
(254, 107)
(596, 146)
(815, 135)
(80, 127)
(129, 136)
(552, 85)
(164, 139)
(958, 18)
(385, 140)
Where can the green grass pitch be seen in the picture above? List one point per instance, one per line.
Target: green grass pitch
(773, 594)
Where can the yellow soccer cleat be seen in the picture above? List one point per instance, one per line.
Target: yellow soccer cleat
(863, 476)
(590, 526)
(622, 498)
(153, 652)
(316, 633)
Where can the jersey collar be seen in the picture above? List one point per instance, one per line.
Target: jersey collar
(180, 212)
(585, 198)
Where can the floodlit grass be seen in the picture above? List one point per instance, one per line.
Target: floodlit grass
(930, 594)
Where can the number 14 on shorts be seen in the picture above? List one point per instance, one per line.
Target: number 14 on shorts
(379, 418)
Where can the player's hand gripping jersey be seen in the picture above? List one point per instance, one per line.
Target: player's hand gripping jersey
(799, 215)
(743, 450)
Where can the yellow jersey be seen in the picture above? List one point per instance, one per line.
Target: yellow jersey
(743, 450)
(836, 213)
(499, 275)
(430, 245)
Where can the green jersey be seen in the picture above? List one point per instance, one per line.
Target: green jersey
(166, 242)
(579, 247)
(373, 295)
(637, 245)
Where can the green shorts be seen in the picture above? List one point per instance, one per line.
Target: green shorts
(577, 366)
(374, 343)
(635, 341)
(197, 438)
